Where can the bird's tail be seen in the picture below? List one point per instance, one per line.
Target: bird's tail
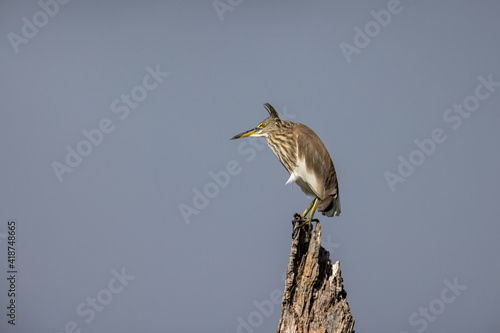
(330, 206)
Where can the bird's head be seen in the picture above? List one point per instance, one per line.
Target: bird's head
(265, 127)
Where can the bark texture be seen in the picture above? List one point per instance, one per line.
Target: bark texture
(314, 299)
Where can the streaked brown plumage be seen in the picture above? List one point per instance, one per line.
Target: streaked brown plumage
(305, 157)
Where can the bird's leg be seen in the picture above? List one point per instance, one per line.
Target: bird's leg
(303, 215)
(315, 205)
(311, 208)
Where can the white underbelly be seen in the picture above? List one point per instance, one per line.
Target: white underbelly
(306, 188)
(306, 180)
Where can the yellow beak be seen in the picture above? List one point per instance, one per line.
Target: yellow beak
(247, 133)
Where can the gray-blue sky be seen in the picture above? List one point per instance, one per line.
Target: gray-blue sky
(119, 208)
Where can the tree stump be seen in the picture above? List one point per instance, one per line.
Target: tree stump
(314, 299)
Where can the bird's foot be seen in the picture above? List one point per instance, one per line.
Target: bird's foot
(300, 217)
(305, 218)
(310, 222)
(307, 221)
(302, 220)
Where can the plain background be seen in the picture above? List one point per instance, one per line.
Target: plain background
(120, 208)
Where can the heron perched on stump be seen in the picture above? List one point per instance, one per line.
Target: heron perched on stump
(305, 157)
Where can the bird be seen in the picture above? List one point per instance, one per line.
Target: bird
(306, 159)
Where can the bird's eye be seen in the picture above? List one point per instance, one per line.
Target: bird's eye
(261, 125)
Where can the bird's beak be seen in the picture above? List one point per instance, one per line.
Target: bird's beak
(247, 133)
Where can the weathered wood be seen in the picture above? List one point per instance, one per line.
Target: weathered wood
(314, 299)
